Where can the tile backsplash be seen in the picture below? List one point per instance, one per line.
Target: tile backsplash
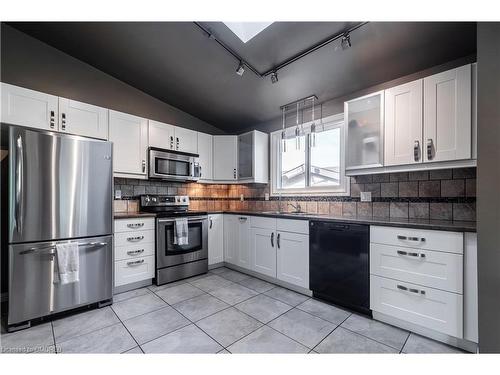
(447, 194)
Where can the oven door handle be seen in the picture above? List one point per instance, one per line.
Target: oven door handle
(191, 219)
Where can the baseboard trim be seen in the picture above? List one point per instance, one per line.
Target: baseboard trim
(446, 339)
(132, 286)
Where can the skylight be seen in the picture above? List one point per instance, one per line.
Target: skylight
(246, 30)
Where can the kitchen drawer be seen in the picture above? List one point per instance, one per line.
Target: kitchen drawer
(134, 238)
(135, 224)
(451, 242)
(133, 270)
(434, 269)
(134, 251)
(293, 226)
(437, 310)
(262, 222)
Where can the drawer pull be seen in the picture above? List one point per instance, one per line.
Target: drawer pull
(135, 262)
(135, 252)
(242, 219)
(405, 238)
(135, 225)
(412, 290)
(135, 239)
(405, 253)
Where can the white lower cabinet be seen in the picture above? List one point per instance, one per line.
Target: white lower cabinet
(292, 258)
(417, 276)
(427, 307)
(134, 250)
(263, 248)
(280, 249)
(236, 240)
(215, 239)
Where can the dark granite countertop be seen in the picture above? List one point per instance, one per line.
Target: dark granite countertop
(131, 215)
(455, 226)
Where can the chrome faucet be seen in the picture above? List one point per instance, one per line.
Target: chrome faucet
(297, 207)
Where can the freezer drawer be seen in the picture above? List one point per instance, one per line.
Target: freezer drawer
(32, 291)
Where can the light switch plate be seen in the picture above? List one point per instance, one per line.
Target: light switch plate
(118, 194)
(241, 197)
(366, 196)
(266, 196)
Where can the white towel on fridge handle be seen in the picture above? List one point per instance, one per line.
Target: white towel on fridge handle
(181, 232)
(67, 263)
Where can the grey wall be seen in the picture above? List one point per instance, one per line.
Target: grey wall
(29, 63)
(488, 178)
(335, 106)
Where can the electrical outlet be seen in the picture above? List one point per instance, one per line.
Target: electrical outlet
(366, 196)
(118, 194)
(241, 197)
(266, 196)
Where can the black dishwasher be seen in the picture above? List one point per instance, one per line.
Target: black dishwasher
(339, 267)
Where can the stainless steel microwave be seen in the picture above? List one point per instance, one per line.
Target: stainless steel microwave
(173, 165)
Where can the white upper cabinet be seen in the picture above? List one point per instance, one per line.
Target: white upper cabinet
(447, 115)
(129, 135)
(186, 140)
(82, 119)
(205, 150)
(253, 157)
(225, 163)
(171, 137)
(403, 124)
(161, 135)
(364, 118)
(30, 108)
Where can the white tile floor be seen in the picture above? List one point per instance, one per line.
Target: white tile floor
(223, 311)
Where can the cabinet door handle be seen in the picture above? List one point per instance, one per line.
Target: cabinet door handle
(416, 151)
(430, 146)
(415, 255)
(406, 238)
(135, 225)
(135, 239)
(135, 262)
(234, 173)
(242, 219)
(171, 142)
(52, 120)
(177, 143)
(143, 166)
(211, 223)
(278, 240)
(63, 121)
(135, 252)
(272, 239)
(412, 290)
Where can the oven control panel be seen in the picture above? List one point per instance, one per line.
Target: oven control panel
(150, 200)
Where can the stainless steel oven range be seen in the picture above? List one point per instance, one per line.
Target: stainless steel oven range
(173, 261)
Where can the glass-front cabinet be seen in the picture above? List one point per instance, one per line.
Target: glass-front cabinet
(365, 129)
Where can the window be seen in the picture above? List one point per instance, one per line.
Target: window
(313, 163)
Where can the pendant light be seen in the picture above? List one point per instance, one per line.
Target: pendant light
(283, 133)
(297, 130)
(313, 127)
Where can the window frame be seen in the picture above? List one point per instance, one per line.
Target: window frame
(327, 123)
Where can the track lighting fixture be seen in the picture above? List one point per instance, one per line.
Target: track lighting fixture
(241, 69)
(346, 41)
(274, 77)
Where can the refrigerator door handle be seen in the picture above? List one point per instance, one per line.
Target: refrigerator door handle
(19, 184)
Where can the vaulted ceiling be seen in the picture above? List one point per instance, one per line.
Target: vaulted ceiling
(177, 63)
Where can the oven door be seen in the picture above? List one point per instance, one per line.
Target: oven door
(170, 165)
(169, 254)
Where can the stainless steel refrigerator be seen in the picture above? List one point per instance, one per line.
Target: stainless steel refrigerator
(60, 190)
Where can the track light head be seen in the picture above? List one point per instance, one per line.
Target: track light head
(274, 77)
(241, 69)
(346, 41)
